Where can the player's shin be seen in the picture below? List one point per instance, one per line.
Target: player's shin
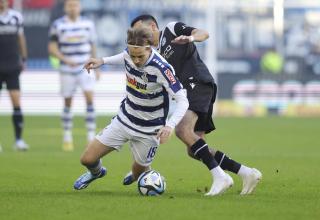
(227, 163)
(137, 169)
(201, 152)
(17, 119)
(67, 124)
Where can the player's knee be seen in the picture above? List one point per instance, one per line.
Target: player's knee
(180, 131)
(86, 160)
(183, 132)
(212, 151)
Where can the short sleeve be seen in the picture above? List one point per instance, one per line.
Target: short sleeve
(53, 32)
(20, 24)
(179, 28)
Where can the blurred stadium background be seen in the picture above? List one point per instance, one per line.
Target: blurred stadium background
(264, 53)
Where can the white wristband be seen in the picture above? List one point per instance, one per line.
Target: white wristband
(191, 38)
(104, 59)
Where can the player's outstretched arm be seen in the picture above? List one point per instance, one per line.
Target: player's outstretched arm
(197, 35)
(93, 63)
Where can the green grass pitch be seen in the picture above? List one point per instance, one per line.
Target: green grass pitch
(38, 184)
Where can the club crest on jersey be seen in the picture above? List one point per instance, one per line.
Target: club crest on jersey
(164, 40)
(144, 77)
(170, 76)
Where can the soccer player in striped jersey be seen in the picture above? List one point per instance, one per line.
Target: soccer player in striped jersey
(142, 119)
(72, 41)
(12, 58)
(176, 44)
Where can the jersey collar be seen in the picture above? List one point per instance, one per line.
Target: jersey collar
(160, 40)
(66, 18)
(150, 58)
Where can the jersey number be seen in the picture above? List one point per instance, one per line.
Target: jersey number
(152, 152)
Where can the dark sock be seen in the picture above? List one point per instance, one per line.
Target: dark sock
(17, 119)
(200, 151)
(227, 163)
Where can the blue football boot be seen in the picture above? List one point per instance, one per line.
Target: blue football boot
(128, 179)
(84, 180)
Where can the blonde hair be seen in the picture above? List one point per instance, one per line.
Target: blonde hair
(139, 37)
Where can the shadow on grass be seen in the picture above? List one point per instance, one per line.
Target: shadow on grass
(106, 193)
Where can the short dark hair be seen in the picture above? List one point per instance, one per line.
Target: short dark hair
(144, 17)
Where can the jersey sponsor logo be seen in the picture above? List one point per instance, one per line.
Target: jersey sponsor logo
(133, 83)
(74, 39)
(170, 76)
(167, 52)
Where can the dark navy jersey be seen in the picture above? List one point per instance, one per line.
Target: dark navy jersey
(11, 25)
(184, 58)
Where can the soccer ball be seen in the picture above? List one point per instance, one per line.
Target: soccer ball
(151, 183)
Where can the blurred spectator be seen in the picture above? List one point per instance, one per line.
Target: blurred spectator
(12, 58)
(72, 41)
(271, 62)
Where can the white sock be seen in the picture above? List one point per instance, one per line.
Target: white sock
(244, 171)
(67, 124)
(217, 172)
(67, 136)
(90, 136)
(90, 123)
(19, 140)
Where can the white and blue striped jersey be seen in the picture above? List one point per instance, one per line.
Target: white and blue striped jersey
(75, 41)
(146, 105)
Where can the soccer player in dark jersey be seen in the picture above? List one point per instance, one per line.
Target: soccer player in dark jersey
(12, 58)
(176, 44)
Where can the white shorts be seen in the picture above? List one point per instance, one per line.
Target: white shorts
(70, 83)
(143, 147)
